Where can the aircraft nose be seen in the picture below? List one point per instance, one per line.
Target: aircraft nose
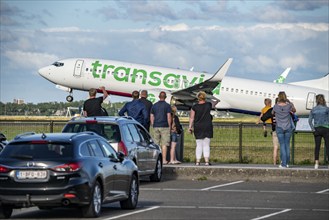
(44, 71)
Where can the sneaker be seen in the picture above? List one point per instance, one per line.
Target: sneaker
(265, 133)
(280, 166)
(316, 166)
(287, 166)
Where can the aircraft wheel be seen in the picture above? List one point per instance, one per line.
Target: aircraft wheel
(69, 98)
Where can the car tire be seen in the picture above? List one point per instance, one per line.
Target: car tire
(132, 200)
(156, 177)
(5, 211)
(93, 209)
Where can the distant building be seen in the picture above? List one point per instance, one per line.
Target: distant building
(18, 101)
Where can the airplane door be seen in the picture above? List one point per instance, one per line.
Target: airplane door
(78, 68)
(310, 102)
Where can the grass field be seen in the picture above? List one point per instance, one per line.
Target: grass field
(234, 140)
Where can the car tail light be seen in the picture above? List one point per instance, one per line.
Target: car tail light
(68, 167)
(4, 169)
(69, 195)
(122, 147)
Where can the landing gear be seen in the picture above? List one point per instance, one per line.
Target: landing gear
(69, 98)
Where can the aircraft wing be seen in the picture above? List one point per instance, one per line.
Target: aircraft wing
(188, 94)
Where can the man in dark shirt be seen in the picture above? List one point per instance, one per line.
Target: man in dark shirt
(161, 121)
(93, 106)
(148, 104)
(135, 109)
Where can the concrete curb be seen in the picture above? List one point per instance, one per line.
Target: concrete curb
(247, 173)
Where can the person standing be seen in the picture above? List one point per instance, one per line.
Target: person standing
(161, 121)
(284, 126)
(200, 123)
(319, 123)
(136, 109)
(93, 106)
(265, 118)
(176, 129)
(148, 104)
(268, 105)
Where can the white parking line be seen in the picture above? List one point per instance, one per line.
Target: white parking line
(222, 185)
(132, 213)
(323, 191)
(270, 215)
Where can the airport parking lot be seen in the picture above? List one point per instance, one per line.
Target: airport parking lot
(188, 199)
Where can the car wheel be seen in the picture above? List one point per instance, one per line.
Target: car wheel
(94, 208)
(132, 200)
(156, 177)
(5, 211)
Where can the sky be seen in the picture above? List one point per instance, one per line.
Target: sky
(263, 38)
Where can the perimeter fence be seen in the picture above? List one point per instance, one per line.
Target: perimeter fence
(232, 142)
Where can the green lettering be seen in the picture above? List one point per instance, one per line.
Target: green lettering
(125, 70)
(135, 75)
(157, 80)
(201, 78)
(151, 97)
(216, 91)
(94, 67)
(105, 68)
(168, 84)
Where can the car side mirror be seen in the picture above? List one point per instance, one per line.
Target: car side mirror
(121, 156)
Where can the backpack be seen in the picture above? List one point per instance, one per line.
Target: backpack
(267, 115)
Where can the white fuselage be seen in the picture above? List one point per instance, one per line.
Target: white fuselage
(121, 78)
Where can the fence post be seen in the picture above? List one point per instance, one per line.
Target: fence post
(240, 142)
(293, 148)
(51, 126)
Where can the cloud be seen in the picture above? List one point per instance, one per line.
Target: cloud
(297, 5)
(29, 60)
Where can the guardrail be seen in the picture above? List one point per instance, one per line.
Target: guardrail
(232, 142)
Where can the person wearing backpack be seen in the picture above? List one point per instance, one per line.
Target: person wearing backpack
(268, 105)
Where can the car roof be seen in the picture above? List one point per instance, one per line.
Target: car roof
(60, 137)
(104, 119)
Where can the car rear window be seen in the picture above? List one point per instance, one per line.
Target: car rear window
(111, 132)
(37, 150)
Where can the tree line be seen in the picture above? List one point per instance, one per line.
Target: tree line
(51, 108)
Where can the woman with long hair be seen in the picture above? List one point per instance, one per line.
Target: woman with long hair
(319, 123)
(284, 126)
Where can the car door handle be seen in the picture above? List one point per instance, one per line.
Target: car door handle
(100, 165)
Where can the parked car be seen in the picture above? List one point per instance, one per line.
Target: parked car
(65, 170)
(125, 135)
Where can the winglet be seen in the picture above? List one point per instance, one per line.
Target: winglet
(283, 76)
(219, 75)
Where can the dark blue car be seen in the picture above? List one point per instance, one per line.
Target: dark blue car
(65, 169)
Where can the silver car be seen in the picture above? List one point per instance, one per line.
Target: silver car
(125, 135)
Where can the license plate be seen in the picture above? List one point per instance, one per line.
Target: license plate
(31, 174)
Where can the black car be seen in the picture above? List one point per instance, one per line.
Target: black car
(125, 135)
(65, 170)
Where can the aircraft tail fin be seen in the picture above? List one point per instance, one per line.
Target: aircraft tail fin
(283, 76)
(321, 83)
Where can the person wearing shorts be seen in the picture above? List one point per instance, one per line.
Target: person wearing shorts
(161, 121)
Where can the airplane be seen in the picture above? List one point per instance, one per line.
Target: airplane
(224, 92)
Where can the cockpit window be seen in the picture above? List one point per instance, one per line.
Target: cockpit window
(58, 64)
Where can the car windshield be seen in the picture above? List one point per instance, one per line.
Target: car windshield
(37, 151)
